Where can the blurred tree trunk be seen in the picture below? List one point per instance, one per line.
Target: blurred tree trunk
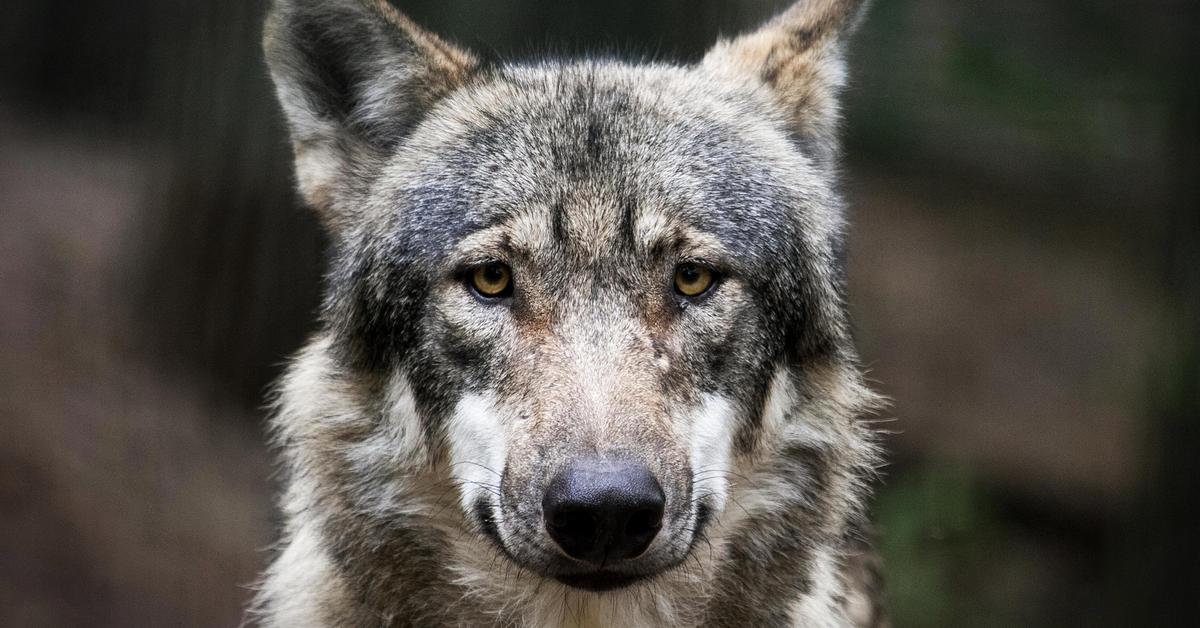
(230, 277)
(1165, 547)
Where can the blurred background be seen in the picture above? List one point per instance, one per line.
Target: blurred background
(1025, 284)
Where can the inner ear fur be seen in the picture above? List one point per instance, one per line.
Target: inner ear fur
(799, 57)
(353, 77)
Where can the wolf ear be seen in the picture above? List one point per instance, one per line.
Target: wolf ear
(354, 77)
(799, 57)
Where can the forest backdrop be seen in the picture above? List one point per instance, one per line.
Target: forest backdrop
(1024, 280)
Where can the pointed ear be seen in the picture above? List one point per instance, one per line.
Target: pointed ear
(354, 77)
(799, 57)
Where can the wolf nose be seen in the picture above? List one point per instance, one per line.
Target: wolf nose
(603, 510)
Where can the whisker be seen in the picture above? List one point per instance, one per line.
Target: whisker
(480, 465)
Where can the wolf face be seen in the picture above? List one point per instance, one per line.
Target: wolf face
(580, 300)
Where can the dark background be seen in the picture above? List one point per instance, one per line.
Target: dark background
(1024, 281)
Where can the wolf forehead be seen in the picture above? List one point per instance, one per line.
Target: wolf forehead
(592, 159)
(591, 166)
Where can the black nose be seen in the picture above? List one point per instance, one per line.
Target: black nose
(601, 511)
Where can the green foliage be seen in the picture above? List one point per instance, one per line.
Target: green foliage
(936, 533)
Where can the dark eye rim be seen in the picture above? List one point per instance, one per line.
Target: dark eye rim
(467, 274)
(717, 276)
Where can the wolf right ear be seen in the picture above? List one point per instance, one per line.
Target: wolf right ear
(798, 56)
(353, 77)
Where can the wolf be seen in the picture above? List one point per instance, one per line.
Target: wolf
(584, 356)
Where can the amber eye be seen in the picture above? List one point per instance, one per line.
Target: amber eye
(693, 280)
(492, 280)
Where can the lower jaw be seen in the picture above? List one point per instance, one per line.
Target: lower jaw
(599, 582)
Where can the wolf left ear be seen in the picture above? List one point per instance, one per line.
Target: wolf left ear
(799, 57)
(353, 77)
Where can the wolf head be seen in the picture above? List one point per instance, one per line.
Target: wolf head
(582, 298)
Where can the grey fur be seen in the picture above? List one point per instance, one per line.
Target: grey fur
(421, 425)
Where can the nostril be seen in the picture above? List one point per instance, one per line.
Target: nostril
(571, 522)
(575, 529)
(643, 522)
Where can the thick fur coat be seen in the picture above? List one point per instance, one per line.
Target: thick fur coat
(421, 426)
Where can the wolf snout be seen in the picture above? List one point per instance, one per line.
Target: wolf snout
(601, 510)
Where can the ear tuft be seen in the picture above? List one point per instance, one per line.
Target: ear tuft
(799, 57)
(353, 77)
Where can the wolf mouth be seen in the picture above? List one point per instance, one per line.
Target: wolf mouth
(594, 581)
(597, 581)
(600, 581)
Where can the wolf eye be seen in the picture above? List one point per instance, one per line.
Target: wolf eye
(692, 279)
(492, 280)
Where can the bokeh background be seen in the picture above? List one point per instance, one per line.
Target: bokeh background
(1024, 271)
